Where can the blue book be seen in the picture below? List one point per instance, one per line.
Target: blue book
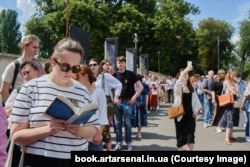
(64, 109)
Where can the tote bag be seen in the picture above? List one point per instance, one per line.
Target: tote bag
(10, 154)
(226, 99)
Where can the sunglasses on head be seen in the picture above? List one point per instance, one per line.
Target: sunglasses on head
(93, 65)
(65, 67)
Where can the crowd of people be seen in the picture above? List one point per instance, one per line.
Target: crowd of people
(28, 88)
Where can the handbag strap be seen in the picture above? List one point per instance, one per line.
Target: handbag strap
(103, 87)
(10, 154)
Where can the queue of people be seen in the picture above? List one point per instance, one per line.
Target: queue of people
(33, 93)
(133, 96)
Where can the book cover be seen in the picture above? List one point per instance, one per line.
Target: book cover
(62, 108)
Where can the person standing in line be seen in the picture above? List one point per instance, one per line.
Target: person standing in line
(209, 99)
(170, 82)
(139, 118)
(245, 106)
(229, 86)
(154, 93)
(127, 101)
(108, 83)
(49, 142)
(146, 79)
(111, 70)
(185, 125)
(219, 81)
(86, 77)
(3, 137)
(29, 69)
(29, 47)
(199, 93)
(163, 94)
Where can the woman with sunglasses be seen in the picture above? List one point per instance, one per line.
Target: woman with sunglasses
(49, 142)
(108, 83)
(86, 77)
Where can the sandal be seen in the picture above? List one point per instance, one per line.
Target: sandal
(139, 136)
(228, 142)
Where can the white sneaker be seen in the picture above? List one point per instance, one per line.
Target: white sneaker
(205, 125)
(129, 147)
(247, 139)
(218, 130)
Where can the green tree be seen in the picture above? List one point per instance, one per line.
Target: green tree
(244, 49)
(213, 36)
(10, 35)
(161, 26)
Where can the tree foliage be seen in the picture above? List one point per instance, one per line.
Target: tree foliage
(214, 47)
(244, 49)
(162, 26)
(10, 36)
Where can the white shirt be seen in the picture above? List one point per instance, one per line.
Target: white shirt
(110, 82)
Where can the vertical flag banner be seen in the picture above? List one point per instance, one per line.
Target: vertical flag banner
(111, 49)
(131, 59)
(143, 63)
(81, 36)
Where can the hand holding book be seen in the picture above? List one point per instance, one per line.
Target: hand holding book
(62, 108)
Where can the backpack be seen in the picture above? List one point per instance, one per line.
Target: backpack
(17, 65)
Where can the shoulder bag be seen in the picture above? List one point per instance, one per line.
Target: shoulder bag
(226, 99)
(176, 111)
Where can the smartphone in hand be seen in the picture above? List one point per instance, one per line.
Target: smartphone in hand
(189, 63)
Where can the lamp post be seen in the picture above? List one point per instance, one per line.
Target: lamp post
(218, 53)
(159, 66)
(67, 19)
(135, 36)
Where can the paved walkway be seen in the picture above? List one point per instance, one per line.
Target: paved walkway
(160, 135)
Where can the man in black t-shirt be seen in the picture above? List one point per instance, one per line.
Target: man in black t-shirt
(127, 100)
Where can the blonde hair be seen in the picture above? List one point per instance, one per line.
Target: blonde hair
(228, 75)
(27, 40)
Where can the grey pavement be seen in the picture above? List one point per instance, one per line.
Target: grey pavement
(159, 135)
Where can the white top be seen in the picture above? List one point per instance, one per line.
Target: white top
(30, 104)
(8, 75)
(110, 83)
(171, 83)
(98, 97)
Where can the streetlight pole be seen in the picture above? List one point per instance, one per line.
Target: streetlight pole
(135, 40)
(218, 53)
(159, 66)
(67, 19)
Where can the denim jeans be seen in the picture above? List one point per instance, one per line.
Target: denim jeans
(248, 124)
(208, 110)
(248, 119)
(93, 147)
(124, 111)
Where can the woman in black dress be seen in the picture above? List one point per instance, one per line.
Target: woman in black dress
(185, 125)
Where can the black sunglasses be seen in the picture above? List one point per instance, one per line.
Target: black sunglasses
(65, 67)
(95, 64)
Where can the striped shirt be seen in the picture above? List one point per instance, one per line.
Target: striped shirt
(30, 104)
